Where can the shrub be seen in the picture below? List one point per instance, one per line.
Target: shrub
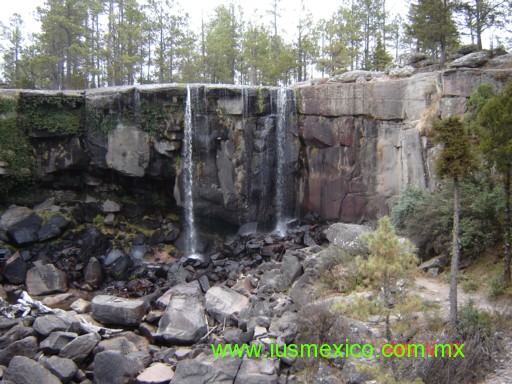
(476, 331)
(498, 286)
(426, 217)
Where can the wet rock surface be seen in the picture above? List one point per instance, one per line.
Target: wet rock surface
(155, 323)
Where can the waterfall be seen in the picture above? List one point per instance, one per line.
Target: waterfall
(282, 119)
(188, 179)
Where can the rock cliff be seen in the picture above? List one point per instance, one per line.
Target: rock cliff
(343, 148)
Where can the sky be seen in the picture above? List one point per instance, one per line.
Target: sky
(195, 8)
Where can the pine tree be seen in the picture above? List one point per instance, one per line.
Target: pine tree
(494, 128)
(389, 267)
(431, 24)
(455, 162)
(12, 65)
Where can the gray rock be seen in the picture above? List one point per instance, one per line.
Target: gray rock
(120, 344)
(186, 289)
(248, 229)
(117, 264)
(64, 369)
(113, 367)
(224, 304)
(208, 370)
(15, 269)
(137, 253)
(128, 151)
(26, 347)
(44, 325)
(158, 373)
(412, 58)
(93, 274)
(48, 231)
(56, 341)
(23, 370)
(472, 60)
(405, 71)
(110, 206)
(79, 348)
(16, 333)
(116, 310)
(347, 236)
(291, 268)
(183, 322)
(25, 231)
(46, 279)
(257, 372)
(13, 215)
(59, 221)
(285, 326)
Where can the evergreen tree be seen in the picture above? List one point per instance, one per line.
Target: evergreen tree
(61, 42)
(391, 260)
(494, 128)
(380, 58)
(481, 15)
(169, 30)
(306, 46)
(431, 24)
(12, 57)
(455, 162)
(221, 45)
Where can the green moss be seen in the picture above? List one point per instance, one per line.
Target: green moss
(17, 156)
(56, 114)
(7, 105)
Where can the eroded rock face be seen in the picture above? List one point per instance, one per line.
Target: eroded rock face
(351, 143)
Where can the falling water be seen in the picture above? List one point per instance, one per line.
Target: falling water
(188, 179)
(282, 101)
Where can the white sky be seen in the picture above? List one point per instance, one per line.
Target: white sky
(253, 9)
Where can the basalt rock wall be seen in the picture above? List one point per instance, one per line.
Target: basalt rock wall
(366, 136)
(134, 135)
(351, 144)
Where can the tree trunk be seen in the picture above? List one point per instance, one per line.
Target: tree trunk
(455, 255)
(506, 276)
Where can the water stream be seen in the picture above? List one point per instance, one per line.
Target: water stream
(188, 176)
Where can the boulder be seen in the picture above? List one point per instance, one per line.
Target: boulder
(46, 279)
(56, 341)
(79, 348)
(207, 370)
(186, 289)
(15, 269)
(93, 244)
(472, 60)
(224, 304)
(64, 369)
(48, 231)
(12, 216)
(110, 206)
(113, 367)
(158, 373)
(93, 274)
(16, 333)
(254, 371)
(25, 347)
(116, 310)
(183, 321)
(44, 325)
(347, 236)
(117, 263)
(25, 231)
(61, 300)
(23, 370)
(128, 150)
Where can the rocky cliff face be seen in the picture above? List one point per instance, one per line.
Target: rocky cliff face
(133, 136)
(365, 136)
(351, 144)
